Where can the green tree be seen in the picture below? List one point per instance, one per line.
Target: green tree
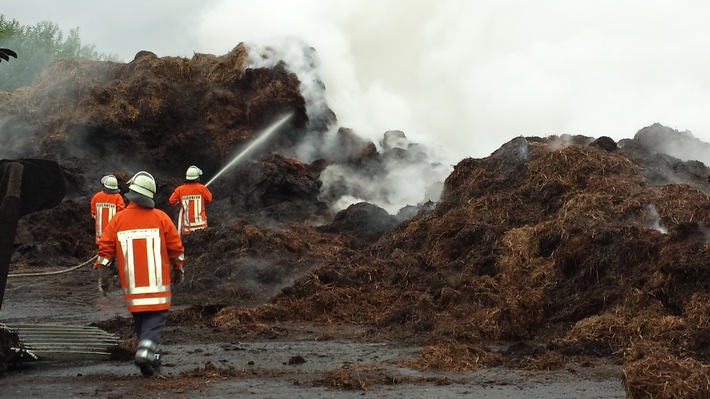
(36, 46)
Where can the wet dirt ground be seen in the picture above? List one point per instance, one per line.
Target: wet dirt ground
(312, 362)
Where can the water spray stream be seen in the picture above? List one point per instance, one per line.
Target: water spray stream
(266, 133)
(255, 143)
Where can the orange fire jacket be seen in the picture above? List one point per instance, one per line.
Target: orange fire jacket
(145, 243)
(104, 207)
(192, 197)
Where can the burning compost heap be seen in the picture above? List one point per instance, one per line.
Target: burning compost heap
(572, 246)
(562, 248)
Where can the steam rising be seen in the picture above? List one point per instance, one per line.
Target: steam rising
(460, 77)
(471, 75)
(411, 178)
(654, 219)
(465, 75)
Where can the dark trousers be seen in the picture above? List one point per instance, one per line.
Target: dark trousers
(149, 325)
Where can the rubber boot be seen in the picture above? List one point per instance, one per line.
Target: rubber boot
(145, 356)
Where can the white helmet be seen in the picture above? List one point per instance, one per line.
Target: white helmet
(193, 173)
(110, 182)
(142, 189)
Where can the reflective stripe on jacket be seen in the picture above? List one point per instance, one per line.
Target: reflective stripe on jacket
(144, 241)
(192, 196)
(104, 207)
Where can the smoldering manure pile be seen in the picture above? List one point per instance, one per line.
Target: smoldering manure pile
(569, 251)
(560, 248)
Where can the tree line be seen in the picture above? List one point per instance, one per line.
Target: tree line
(36, 46)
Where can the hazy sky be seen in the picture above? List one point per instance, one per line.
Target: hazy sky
(468, 75)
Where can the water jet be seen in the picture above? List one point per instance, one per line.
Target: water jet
(262, 136)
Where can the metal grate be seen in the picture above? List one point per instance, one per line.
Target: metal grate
(54, 341)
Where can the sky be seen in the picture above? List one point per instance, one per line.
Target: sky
(467, 75)
(463, 76)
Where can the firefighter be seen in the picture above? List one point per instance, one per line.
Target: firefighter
(150, 255)
(105, 204)
(192, 196)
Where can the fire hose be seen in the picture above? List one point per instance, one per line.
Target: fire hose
(71, 269)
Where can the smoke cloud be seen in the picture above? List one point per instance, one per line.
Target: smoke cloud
(654, 219)
(468, 75)
(460, 77)
(471, 75)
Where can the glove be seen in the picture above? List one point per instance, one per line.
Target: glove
(178, 276)
(104, 279)
(101, 262)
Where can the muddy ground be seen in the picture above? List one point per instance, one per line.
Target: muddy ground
(300, 360)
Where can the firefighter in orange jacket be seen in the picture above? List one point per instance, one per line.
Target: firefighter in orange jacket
(105, 204)
(150, 255)
(192, 196)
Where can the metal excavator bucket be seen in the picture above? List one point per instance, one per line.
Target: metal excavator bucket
(26, 186)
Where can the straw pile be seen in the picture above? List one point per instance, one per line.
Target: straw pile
(579, 245)
(572, 246)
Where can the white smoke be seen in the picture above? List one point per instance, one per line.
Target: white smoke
(407, 180)
(16, 140)
(301, 60)
(357, 39)
(403, 184)
(467, 74)
(473, 74)
(654, 219)
(464, 76)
